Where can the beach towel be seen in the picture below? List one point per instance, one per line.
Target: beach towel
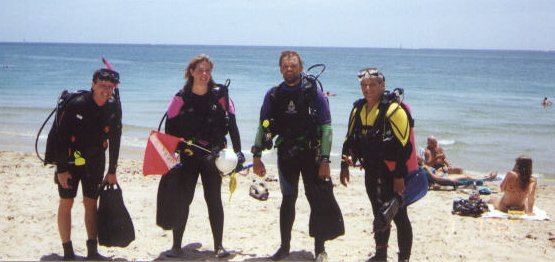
(539, 214)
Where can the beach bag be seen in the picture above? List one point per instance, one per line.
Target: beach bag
(115, 227)
(473, 206)
(171, 199)
(326, 220)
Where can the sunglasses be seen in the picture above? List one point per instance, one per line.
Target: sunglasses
(107, 75)
(370, 72)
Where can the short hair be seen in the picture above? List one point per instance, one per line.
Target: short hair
(290, 53)
(106, 75)
(371, 72)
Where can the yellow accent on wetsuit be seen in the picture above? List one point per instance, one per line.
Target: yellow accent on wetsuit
(396, 115)
(79, 160)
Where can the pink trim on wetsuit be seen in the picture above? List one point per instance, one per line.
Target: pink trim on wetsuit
(175, 106)
(231, 108)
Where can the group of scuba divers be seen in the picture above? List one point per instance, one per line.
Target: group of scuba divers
(296, 113)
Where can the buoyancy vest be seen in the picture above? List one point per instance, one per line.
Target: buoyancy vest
(294, 112)
(200, 119)
(376, 143)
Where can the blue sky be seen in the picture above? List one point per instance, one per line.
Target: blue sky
(467, 24)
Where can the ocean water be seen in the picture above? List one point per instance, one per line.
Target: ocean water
(482, 105)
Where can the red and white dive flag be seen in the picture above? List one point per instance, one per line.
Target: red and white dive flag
(159, 153)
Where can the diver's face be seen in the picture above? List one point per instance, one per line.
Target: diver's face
(291, 69)
(202, 73)
(372, 88)
(102, 91)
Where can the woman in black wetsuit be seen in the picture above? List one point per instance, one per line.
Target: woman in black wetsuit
(202, 113)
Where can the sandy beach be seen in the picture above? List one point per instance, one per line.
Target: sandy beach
(28, 229)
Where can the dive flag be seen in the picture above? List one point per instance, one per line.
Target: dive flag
(159, 153)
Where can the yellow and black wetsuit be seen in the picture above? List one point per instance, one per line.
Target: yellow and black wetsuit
(381, 143)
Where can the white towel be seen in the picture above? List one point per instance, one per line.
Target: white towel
(539, 214)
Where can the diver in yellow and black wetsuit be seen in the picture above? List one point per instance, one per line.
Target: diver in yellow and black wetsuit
(380, 141)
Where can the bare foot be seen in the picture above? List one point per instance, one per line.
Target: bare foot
(491, 175)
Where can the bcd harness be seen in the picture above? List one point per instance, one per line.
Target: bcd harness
(213, 127)
(371, 144)
(52, 147)
(293, 118)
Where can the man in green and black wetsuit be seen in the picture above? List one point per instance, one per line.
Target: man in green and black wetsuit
(298, 113)
(90, 124)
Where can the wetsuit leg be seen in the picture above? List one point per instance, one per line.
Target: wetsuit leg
(309, 171)
(91, 180)
(404, 233)
(376, 190)
(188, 181)
(212, 183)
(289, 171)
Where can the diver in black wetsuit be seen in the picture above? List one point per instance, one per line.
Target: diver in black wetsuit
(90, 124)
(299, 115)
(203, 114)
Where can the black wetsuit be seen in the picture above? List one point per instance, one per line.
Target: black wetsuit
(298, 153)
(203, 120)
(87, 129)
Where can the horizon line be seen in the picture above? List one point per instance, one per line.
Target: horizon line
(296, 46)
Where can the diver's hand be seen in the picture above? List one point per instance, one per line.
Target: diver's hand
(240, 161)
(344, 176)
(399, 186)
(111, 179)
(324, 171)
(63, 179)
(258, 167)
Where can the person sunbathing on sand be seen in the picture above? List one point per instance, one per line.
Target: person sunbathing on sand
(519, 188)
(441, 176)
(435, 157)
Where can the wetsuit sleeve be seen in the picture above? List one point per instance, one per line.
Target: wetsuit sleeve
(264, 115)
(346, 150)
(258, 137)
(172, 121)
(233, 129)
(326, 140)
(323, 108)
(63, 137)
(399, 122)
(324, 121)
(114, 138)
